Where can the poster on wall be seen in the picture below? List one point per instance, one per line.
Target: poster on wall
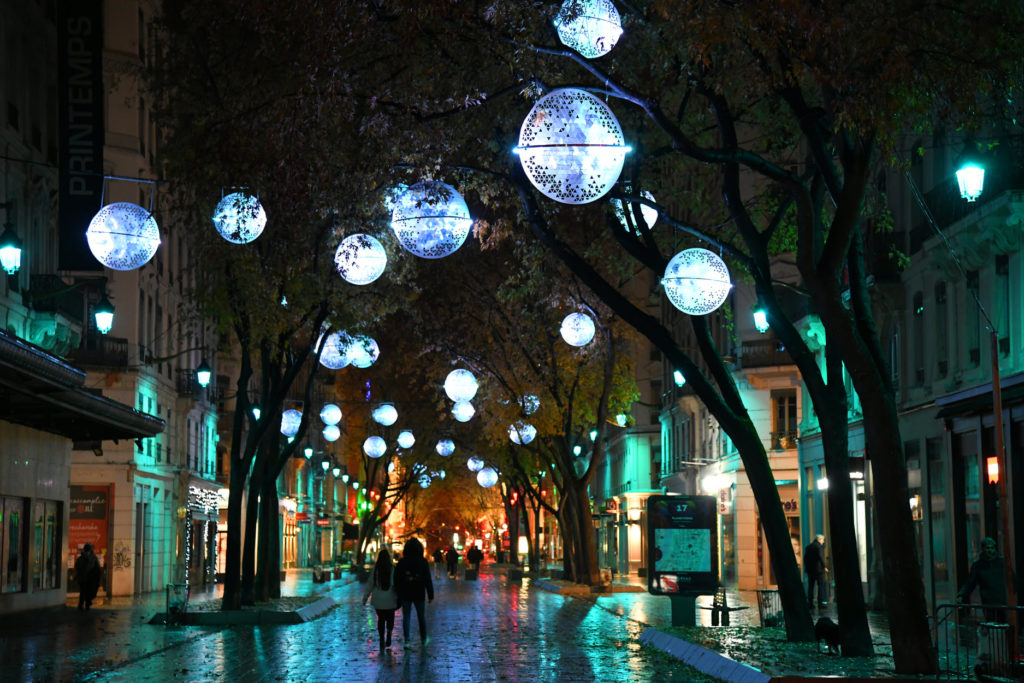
(88, 522)
(682, 545)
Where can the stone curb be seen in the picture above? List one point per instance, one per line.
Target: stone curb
(702, 659)
(251, 618)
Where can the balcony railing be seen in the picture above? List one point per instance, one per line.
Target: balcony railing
(759, 353)
(102, 352)
(783, 441)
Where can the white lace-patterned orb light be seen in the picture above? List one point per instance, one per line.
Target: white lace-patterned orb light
(487, 477)
(239, 218)
(571, 146)
(463, 411)
(385, 414)
(360, 259)
(530, 403)
(431, 219)
(696, 281)
(331, 414)
(335, 353)
(362, 351)
(522, 433)
(445, 447)
(406, 439)
(474, 464)
(331, 433)
(424, 480)
(374, 446)
(460, 385)
(290, 420)
(577, 329)
(123, 236)
(650, 215)
(591, 27)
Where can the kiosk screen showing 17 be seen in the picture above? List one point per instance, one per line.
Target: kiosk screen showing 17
(682, 545)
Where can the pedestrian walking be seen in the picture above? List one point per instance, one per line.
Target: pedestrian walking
(453, 563)
(88, 573)
(814, 568)
(412, 582)
(474, 557)
(383, 596)
(438, 561)
(988, 575)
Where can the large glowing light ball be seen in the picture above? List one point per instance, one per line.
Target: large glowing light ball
(530, 403)
(335, 353)
(123, 236)
(577, 329)
(591, 27)
(696, 281)
(649, 214)
(474, 464)
(571, 146)
(360, 259)
(239, 218)
(522, 433)
(290, 420)
(445, 447)
(460, 385)
(406, 439)
(374, 447)
(362, 352)
(463, 411)
(331, 433)
(331, 414)
(385, 414)
(487, 477)
(431, 220)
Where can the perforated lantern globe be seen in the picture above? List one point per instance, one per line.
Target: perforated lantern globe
(123, 236)
(331, 414)
(332, 433)
(591, 27)
(374, 446)
(577, 329)
(522, 433)
(360, 259)
(362, 351)
(385, 414)
(335, 353)
(431, 220)
(239, 218)
(290, 420)
(406, 439)
(474, 464)
(649, 215)
(530, 403)
(460, 385)
(487, 477)
(445, 447)
(463, 411)
(696, 281)
(571, 146)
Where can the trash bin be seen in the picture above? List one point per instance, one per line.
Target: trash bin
(769, 607)
(177, 602)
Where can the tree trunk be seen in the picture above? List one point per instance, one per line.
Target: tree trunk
(249, 542)
(587, 571)
(233, 552)
(272, 522)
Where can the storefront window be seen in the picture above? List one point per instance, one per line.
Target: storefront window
(12, 545)
(46, 558)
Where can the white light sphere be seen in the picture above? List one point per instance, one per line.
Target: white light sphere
(406, 439)
(335, 353)
(445, 447)
(650, 215)
(487, 477)
(696, 281)
(290, 420)
(431, 220)
(522, 433)
(123, 236)
(360, 259)
(460, 385)
(591, 27)
(424, 480)
(571, 146)
(331, 433)
(331, 414)
(577, 329)
(374, 446)
(530, 403)
(362, 351)
(385, 414)
(239, 218)
(474, 464)
(463, 411)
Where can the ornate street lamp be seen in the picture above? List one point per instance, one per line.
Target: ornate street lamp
(10, 250)
(104, 315)
(203, 374)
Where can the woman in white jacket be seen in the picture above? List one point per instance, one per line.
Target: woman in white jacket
(383, 597)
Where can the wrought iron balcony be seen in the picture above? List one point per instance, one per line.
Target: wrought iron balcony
(760, 353)
(102, 352)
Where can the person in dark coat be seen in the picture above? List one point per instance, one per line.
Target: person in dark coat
(438, 561)
(412, 582)
(383, 597)
(88, 573)
(988, 575)
(453, 563)
(814, 568)
(474, 557)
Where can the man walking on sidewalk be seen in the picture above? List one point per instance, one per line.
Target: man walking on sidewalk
(814, 567)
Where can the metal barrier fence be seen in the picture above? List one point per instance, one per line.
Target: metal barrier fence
(978, 642)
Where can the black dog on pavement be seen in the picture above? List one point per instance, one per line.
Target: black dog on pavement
(827, 630)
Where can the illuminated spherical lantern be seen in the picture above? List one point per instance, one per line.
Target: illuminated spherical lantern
(530, 403)
(331, 433)
(696, 281)
(522, 433)
(649, 214)
(335, 353)
(591, 27)
(487, 477)
(431, 220)
(290, 420)
(577, 329)
(362, 352)
(123, 236)
(406, 439)
(460, 385)
(474, 464)
(239, 218)
(424, 480)
(374, 447)
(331, 414)
(571, 146)
(360, 259)
(445, 447)
(463, 411)
(385, 414)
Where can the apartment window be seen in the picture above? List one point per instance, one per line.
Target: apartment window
(12, 544)
(1002, 308)
(784, 423)
(918, 313)
(941, 330)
